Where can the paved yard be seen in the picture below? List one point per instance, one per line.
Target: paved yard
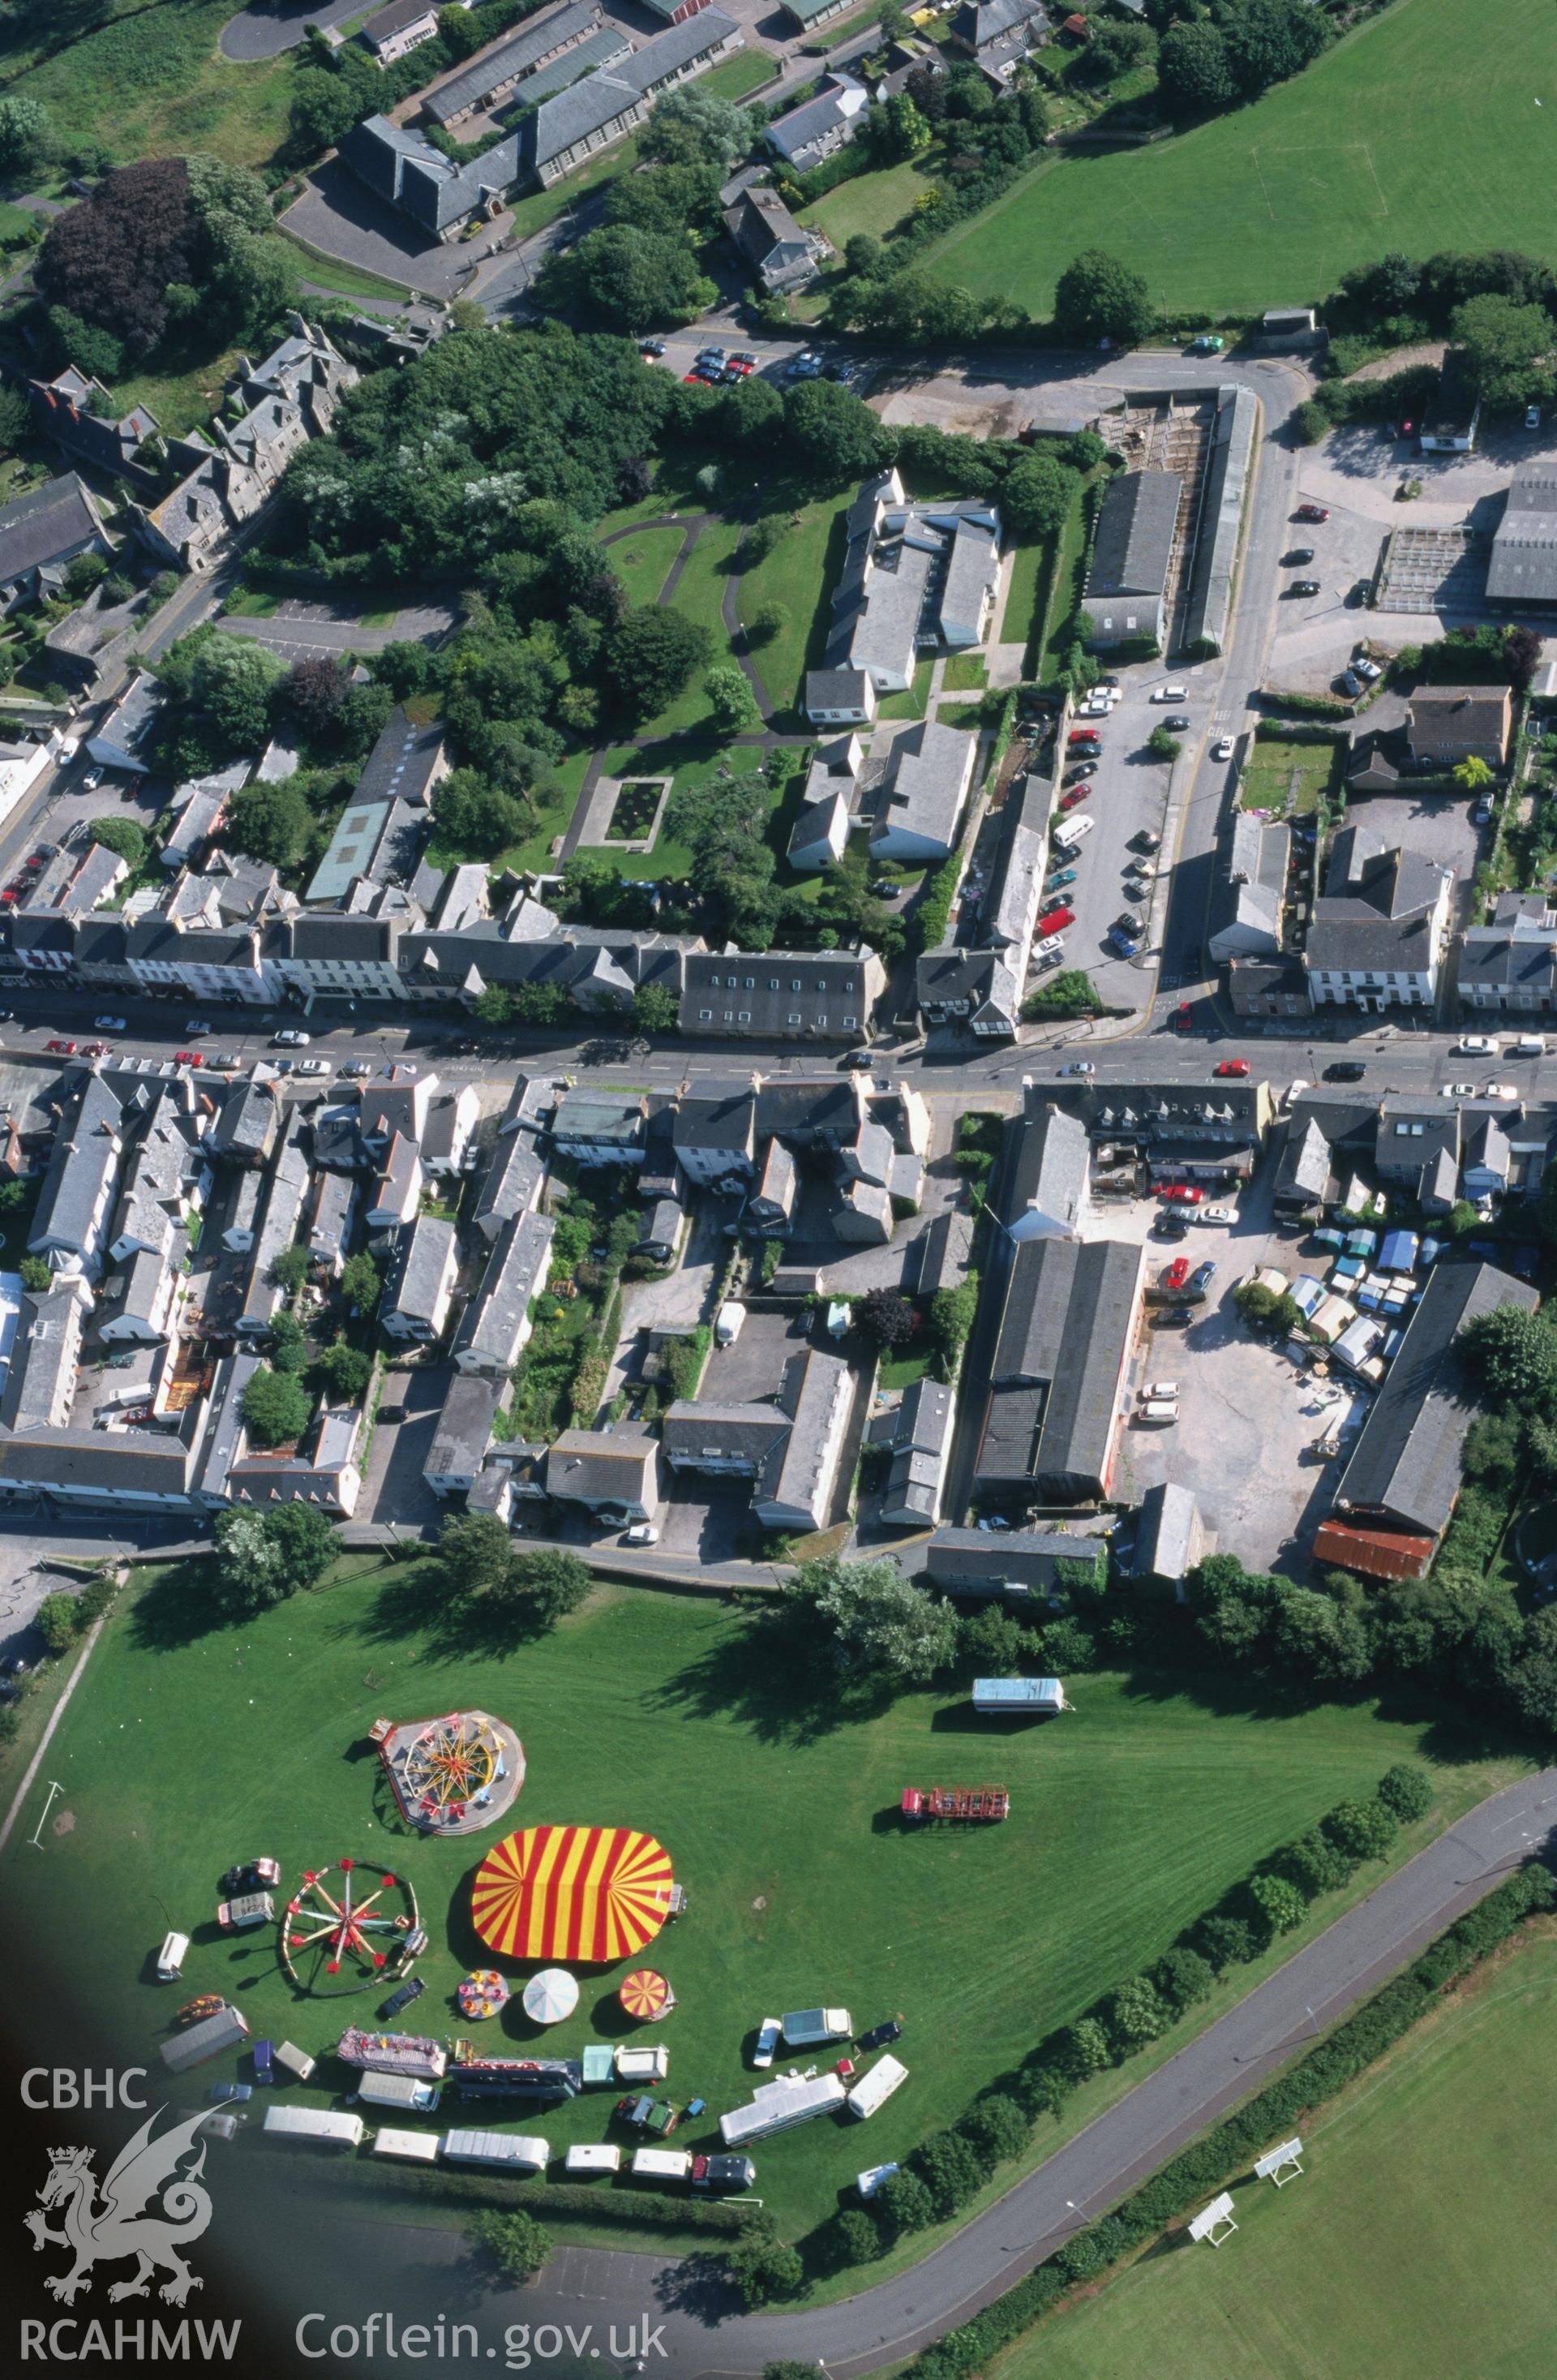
(1130, 791)
(1244, 1417)
(393, 1489)
(678, 1300)
(337, 215)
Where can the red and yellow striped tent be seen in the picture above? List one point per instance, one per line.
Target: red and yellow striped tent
(582, 1895)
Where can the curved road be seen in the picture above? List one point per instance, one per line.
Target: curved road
(272, 26)
(705, 2335)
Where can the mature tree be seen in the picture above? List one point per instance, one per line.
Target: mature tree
(305, 1540)
(885, 1317)
(249, 1564)
(1313, 1636)
(1268, 40)
(1183, 1977)
(655, 1009)
(37, 1274)
(859, 2242)
(1164, 745)
(511, 2241)
(690, 126)
(1471, 775)
(884, 1628)
(475, 1554)
(110, 261)
(905, 2202)
(24, 135)
(494, 1005)
(1279, 1902)
(343, 1372)
(1226, 1941)
(1314, 1863)
(1522, 650)
(1507, 350)
(992, 1643)
(1361, 1830)
(291, 1268)
(1408, 1791)
(57, 1621)
(234, 680)
(1083, 2049)
(834, 431)
(1097, 297)
(1037, 494)
(544, 1586)
(651, 657)
(730, 699)
(626, 277)
(15, 419)
(276, 1408)
(289, 1348)
(361, 1284)
(998, 2128)
(91, 349)
(1116, 48)
(893, 130)
(1135, 2012)
(313, 692)
(1512, 1355)
(471, 820)
(122, 835)
(949, 2171)
(761, 2266)
(769, 620)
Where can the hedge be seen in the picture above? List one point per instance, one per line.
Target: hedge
(934, 914)
(1205, 2168)
(1296, 731)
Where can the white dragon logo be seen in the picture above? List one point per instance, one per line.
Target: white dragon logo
(125, 2223)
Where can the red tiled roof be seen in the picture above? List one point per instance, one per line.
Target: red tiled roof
(1380, 1553)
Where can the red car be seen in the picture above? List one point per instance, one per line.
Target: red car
(1233, 1066)
(95, 1050)
(1057, 921)
(1066, 801)
(10, 896)
(1183, 1017)
(1313, 512)
(1175, 1274)
(1084, 735)
(63, 1049)
(1181, 1194)
(187, 1058)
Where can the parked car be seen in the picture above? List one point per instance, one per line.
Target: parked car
(1055, 922)
(1532, 417)
(110, 1024)
(226, 1062)
(1345, 1070)
(1476, 1045)
(403, 1999)
(769, 2032)
(62, 1049)
(1073, 799)
(1458, 1092)
(1179, 724)
(1349, 683)
(187, 1058)
(1170, 1225)
(251, 1876)
(1228, 1215)
(1312, 513)
(1366, 670)
(222, 2095)
(1174, 1276)
(1058, 883)
(1300, 554)
(1130, 922)
(723, 2173)
(1500, 1091)
(642, 1533)
(1171, 694)
(1051, 953)
(1079, 1066)
(1121, 943)
(393, 1413)
(197, 1028)
(1183, 1017)
(1304, 586)
(859, 1061)
(1160, 1389)
(357, 1070)
(651, 346)
(1204, 1275)
(1233, 1066)
(1181, 1194)
(881, 2036)
(289, 1038)
(95, 1050)
(314, 1066)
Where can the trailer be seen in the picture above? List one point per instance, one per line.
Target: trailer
(1019, 1697)
(318, 2126)
(225, 2030)
(649, 2064)
(803, 2028)
(776, 2106)
(416, 2148)
(398, 2091)
(970, 1805)
(543, 2080)
(521, 2152)
(593, 2156)
(661, 2165)
(876, 2086)
(393, 2053)
(296, 2062)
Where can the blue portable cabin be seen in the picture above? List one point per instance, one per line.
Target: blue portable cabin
(1335, 1241)
(1400, 1252)
(1391, 1347)
(1349, 1268)
(1368, 1298)
(1360, 1243)
(1019, 1697)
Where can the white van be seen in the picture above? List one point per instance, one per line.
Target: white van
(661, 2165)
(1069, 831)
(593, 2156)
(397, 2090)
(876, 2087)
(1160, 1409)
(1529, 1045)
(728, 1324)
(1171, 694)
(171, 1958)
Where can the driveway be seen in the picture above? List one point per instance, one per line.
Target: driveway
(337, 215)
(1130, 792)
(272, 26)
(393, 1490)
(678, 1300)
(298, 631)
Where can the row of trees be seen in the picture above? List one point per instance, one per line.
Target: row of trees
(1208, 62)
(1498, 307)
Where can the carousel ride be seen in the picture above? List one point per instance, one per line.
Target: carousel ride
(452, 1774)
(346, 1924)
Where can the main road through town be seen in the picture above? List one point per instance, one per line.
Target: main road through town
(705, 2334)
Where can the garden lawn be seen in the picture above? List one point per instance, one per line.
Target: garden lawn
(643, 561)
(185, 1748)
(909, 704)
(1403, 137)
(1416, 2246)
(1031, 576)
(799, 576)
(874, 202)
(1066, 582)
(688, 763)
(535, 852)
(183, 395)
(1280, 773)
(346, 280)
(153, 84)
(733, 78)
(699, 595)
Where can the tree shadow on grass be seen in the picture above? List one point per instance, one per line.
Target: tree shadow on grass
(1456, 1735)
(179, 1610)
(459, 1628)
(785, 1692)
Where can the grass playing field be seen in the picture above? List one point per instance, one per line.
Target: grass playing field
(1412, 133)
(1416, 2244)
(186, 1748)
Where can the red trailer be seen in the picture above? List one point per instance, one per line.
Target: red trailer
(975, 1802)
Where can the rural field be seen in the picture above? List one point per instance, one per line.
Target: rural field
(1416, 2245)
(186, 1748)
(1419, 132)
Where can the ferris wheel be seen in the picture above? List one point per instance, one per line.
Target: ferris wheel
(344, 1925)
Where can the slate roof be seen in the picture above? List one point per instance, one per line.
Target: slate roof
(463, 1428)
(1407, 1461)
(88, 1462)
(540, 41)
(591, 1467)
(516, 1270)
(773, 987)
(1069, 1308)
(422, 1261)
(1459, 715)
(57, 518)
(925, 782)
(943, 1250)
(1021, 1557)
(1133, 544)
(1047, 1170)
(715, 1116)
(691, 1431)
(1523, 566)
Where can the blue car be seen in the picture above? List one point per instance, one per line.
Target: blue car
(222, 2093)
(1058, 883)
(1122, 943)
(1203, 1277)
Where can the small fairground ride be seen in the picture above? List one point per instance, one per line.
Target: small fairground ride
(453, 1774)
(345, 1925)
(963, 1804)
